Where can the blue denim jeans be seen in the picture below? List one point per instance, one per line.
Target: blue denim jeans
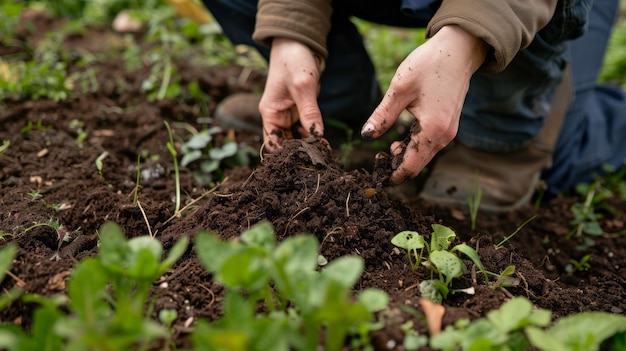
(502, 112)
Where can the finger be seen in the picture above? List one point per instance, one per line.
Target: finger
(308, 110)
(276, 129)
(411, 158)
(385, 115)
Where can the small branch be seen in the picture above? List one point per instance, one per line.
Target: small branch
(347, 208)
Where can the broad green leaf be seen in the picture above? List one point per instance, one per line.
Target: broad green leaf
(198, 141)
(7, 254)
(373, 299)
(212, 251)
(297, 254)
(42, 335)
(429, 290)
(408, 240)
(345, 270)
(189, 157)
(441, 238)
(448, 264)
(142, 243)
(261, 235)
(87, 289)
(587, 330)
(210, 166)
(511, 314)
(145, 267)
(114, 251)
(227, 150)
(543, 340)
(244, 269)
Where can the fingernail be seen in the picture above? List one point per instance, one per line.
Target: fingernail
(368, 131)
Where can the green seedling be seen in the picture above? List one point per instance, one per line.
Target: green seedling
(439, 259)
(517, 230)
(107, 295)
(301, 301)
(578, 265)
(30, 126)
(63, 235)
(502, 329)
(473, 201)
(212, 159)
(5, 145)
(99, 163)
(81, 134)
(34, 194)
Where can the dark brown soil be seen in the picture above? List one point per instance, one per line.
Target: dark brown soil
(301, 189)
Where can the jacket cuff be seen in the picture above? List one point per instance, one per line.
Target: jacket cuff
(305, 21)
(508, 26)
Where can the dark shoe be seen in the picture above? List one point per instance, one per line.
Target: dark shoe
(507, 181)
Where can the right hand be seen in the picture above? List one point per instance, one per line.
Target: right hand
(290, 93)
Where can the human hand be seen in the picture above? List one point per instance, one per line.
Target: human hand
(431, 83)
(290, 93)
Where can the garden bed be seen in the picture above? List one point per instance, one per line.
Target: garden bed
(50, 173)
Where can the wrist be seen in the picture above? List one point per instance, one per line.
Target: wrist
(471, 49)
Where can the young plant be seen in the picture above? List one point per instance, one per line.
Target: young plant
(62, 235)
(106, 298)
(301, 301)
(212, 159)
(439, 259)
(578, 265)
(5, 145)
(473, 201)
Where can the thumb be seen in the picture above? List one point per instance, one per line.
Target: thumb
(384, 116)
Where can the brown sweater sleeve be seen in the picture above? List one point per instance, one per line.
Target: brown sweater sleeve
(307, 21)
(508, 26)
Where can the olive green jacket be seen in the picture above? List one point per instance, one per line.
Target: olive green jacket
(507, 26)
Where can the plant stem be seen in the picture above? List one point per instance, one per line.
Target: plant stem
(172, 150)
(499, 245)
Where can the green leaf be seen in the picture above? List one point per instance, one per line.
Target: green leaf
(261, 235)
(441, 238)
(246, 270)
(345, 270)
(587, 330)
(175, 253)
(87, 289)
(210, 166)
(429, 290)
(373, 299)
(7, 254)
(190, 156)
(212, 251)
(516, 314)
(543, 340)
(227, 150)
(199, 141)
(408, 240)
(447, 264)
(114, 250)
